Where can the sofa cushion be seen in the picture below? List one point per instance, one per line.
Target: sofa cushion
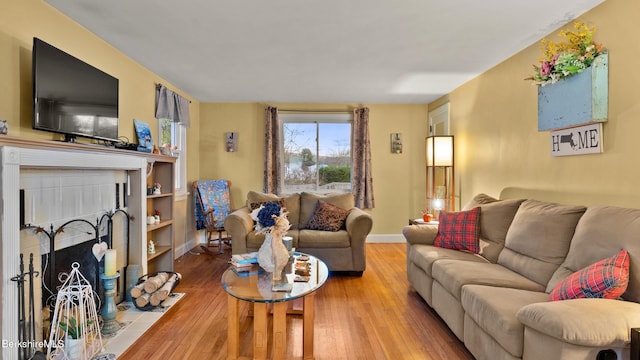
(425, 255)
(607, 278)
(495, 218)
(254, 197)
(479, 199)
(256, 205)
(327, 217)
(602, 231)
(494, 310)
(323, 239)
(291, 203)
(308, 204)
(584, 322)
(538, 239)
(454, 274)
(459, 230)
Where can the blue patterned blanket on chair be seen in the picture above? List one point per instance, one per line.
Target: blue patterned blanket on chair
(213, 194)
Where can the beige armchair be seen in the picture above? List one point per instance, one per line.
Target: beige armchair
(341, 250)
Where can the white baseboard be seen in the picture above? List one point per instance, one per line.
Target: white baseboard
(187, 246)
(371, 238)
(385, 238)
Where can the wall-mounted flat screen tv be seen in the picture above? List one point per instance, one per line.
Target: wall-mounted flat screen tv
(71, 97)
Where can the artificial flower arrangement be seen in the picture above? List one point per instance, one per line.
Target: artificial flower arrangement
(270, 217)
(566, 58)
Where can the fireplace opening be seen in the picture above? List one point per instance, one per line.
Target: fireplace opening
(81, 253)
(54, 252)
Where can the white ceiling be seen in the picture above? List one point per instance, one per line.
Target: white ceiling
(346, 51)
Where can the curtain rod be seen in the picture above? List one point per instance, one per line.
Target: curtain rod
(158, 85)
(316, 111)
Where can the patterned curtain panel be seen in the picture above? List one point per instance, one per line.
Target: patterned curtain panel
(272, 144)
(170, 105)
(361, 160)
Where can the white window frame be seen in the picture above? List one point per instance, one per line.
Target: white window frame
(179, 139)
(313, 118)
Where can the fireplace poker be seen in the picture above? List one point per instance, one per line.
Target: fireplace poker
(32, 324)
(24, 335)
(22, 330)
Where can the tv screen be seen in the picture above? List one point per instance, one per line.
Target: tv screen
(71, 97)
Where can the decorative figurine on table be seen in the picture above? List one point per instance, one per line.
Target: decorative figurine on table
(152, 247)
(156, 217)
(271, 220)
(426, 215)
(156, 189)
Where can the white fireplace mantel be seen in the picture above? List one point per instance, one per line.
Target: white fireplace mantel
(19, 156)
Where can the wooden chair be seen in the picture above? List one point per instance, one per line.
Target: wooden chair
(212, 204)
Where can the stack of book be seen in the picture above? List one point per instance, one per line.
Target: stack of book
(245, 264)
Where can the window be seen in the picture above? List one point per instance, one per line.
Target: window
(176, 134)
(317, 152)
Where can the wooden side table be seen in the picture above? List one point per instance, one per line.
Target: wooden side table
(422, 222)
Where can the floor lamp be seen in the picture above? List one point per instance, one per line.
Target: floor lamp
(440, 174)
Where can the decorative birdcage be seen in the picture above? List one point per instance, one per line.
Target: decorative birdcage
(75, 331)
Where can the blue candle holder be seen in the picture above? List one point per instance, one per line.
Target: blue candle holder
(110, 325)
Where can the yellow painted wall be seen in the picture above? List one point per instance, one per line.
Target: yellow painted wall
(21, 21)
(399, 179)
(494, 119)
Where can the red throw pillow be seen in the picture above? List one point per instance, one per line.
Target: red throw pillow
(607, 278)
(459, 230)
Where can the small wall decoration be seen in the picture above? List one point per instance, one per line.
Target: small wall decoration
(572, 80)
(580, 140)
(396, 143)
(231, 141)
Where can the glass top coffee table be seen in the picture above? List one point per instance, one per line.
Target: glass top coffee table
(257, 289)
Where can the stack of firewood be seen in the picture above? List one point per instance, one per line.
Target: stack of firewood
(155, 289)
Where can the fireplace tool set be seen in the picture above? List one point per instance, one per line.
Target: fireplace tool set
(27, 326)
(30, 346)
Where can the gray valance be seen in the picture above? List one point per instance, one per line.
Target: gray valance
(170, 105)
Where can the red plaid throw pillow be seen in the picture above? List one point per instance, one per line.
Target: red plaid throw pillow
(459, 230)
(608, 278)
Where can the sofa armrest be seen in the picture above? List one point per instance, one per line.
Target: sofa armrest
(238, 224)
(420, 234)
(584, 322)
(358, 225)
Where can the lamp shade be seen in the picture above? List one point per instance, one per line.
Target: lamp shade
(440, 150)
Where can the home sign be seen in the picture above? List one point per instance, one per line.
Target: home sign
(580, 140)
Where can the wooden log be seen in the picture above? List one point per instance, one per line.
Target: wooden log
(143, 300)
(159, 295)
(154, 283)
(137, 290)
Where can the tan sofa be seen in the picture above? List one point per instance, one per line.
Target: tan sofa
(342, 250)
(498, 302)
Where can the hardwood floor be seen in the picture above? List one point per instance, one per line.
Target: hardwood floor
(376, 316)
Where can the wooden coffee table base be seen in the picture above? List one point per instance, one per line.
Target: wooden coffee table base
(260, 331)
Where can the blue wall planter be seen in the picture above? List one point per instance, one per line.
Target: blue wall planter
(577, 100)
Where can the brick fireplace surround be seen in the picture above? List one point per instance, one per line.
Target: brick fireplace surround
(20, 156)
